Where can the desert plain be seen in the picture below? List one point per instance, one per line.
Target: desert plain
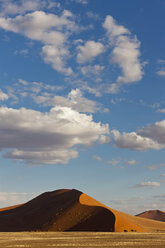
(81, 239)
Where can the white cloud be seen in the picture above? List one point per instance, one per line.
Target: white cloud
(3, 96)
(150, 137)
(147, 184)
(56, 56)
(97, 157)
(114, 161)
(84, 2)
(11, 7)
(131, 162)
(47, 138)
(42, 157)
(23, 52)
(161, 61)
(106, 110)
(74, 100)
(89, 51)
(113, 88)
(92, 15)
(134, 141)
(22, 81)
(97, 91)
(92, 70)
(155, 166)
(155, 132)
(50, 29)
(14, 198)
(36, 87)
(125, 51)
(161, 72)
(161, 110)
(113, 29)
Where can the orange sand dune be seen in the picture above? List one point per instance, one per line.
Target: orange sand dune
(71, 210)
(153, 215)
(126, 222)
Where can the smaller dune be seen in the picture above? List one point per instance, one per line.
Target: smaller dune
(153, 215)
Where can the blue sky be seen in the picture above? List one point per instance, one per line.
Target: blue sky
(82, 100)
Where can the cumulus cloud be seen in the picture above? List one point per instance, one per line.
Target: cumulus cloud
(3, 96)
(50, 29)
(74, 100)
(125, 52)
(155, 132)
(147, 184)
(134, 141)
(92, 70)
(42, 157)
(89, 51)
(149, 137)
(47, 138)
(11, 7)
(55, 56)
(97, 91)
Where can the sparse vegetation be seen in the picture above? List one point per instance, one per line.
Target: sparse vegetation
(82, 239)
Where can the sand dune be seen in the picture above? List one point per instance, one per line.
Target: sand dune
(71, 210)
(9, 208)
(153, 215)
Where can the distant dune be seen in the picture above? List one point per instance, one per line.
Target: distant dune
(153, 215)
(71, 210)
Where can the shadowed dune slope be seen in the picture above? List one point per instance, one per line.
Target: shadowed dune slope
(153, 215)
(71, 210)
(59, 210)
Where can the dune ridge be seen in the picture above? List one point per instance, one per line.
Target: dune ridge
(71, 210)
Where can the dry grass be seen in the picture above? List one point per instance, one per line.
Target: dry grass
(81, 239)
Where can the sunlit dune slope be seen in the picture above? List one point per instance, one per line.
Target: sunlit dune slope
(126, 222)
(11, 207)
(153, 215)
(71, 210)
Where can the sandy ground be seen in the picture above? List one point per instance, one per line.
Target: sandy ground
(79, 239)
